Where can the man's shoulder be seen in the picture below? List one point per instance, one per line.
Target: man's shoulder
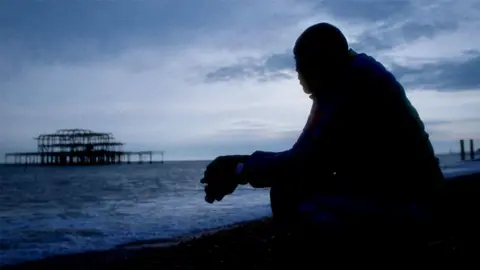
(368, 77)
(366, 65)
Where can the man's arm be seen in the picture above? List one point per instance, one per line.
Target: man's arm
(313, 152)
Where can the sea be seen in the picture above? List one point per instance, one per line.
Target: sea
(47, 211)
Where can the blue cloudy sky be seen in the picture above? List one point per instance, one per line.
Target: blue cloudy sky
(201, 78)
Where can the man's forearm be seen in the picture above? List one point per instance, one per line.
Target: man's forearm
(262, 170)
(296, 164)
(240, 166)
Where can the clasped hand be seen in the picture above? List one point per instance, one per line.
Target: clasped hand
(221, 177)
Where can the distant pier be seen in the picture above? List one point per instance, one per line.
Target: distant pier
(78, 147)
(472, 150)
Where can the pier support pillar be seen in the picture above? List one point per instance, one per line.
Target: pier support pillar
(462, 150)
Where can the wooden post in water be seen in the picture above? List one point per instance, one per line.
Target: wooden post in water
(462, 150)
(472, 150)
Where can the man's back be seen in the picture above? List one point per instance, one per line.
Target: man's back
(388, 148)
(374, 164)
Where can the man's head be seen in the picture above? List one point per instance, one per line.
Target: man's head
(320, 52)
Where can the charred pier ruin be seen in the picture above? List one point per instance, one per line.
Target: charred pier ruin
(78, 147)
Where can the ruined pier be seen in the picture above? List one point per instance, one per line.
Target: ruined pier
(78, 147)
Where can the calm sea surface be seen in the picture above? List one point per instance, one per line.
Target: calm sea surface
(46, 211)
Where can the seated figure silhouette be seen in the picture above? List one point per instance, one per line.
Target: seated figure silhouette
(363, 160)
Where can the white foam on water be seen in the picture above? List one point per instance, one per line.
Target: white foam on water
(104, 229)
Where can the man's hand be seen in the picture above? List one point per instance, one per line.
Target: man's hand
(221, 178)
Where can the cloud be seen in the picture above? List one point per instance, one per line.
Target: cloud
(367, 10)
(447, 75)
(391, 24)
(201, 78)
(46, 26)
(460, 129)
(386, 37)
(448, 116)
(273, 67)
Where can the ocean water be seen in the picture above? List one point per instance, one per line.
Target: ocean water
(53, 210)
(46, 211)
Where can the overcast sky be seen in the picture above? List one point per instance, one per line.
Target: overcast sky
(201, 78)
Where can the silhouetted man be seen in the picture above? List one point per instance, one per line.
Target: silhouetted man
(363, 150)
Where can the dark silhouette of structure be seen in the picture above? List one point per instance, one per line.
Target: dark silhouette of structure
(77, 147)
(472, 150)
(162, 153)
